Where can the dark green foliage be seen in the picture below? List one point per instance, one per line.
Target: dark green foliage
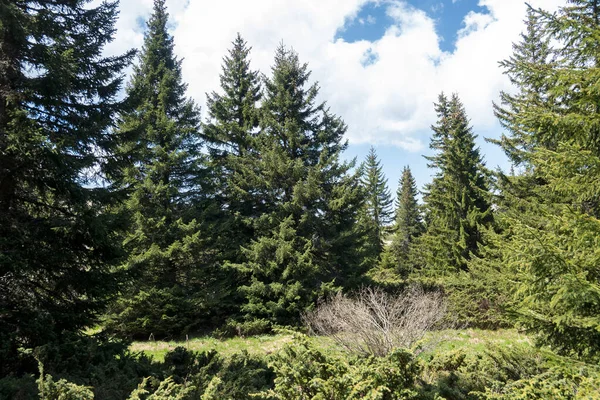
(233, 117)
(528, 69)
(22, 388)
(556, 383)
(95, 361)
(408, 222)
(378, 204)
(48, 389)
(460, 374)
(552, 251)
(57, 101)
(230, 133)
(163, 177)
(252, 327)
(303, 372)
(552, 207)
(166, 389)
(215, 377)
(507, 373)
(306, 242)
(457, 205)
(104, 365)
(475, 300)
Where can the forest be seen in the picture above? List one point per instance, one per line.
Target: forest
(129, 222)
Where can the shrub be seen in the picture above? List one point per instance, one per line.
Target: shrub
(556, 383)
(61, 390)
(216, 377)
(253, 327)
(374, 322)
(303, 372)
(166, 390)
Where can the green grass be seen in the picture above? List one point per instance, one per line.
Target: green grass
(264, 344)
(472, 340)
(258, 345)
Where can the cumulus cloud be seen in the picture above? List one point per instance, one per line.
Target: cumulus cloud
(384, 89)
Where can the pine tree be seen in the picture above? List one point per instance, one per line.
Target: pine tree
(163, 179)
(456, 201)
(378, 204)
(306, 239)
(408, 222)
(58, 97)
(552, 208)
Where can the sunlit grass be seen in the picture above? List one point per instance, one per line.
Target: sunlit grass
(471, 340)
(257, 345)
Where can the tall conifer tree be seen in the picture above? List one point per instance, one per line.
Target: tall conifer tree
(378, 205)
(163, 179)
(306, 239)
(553, 206)
(408, 221)
(58, 97)
(230, 134)
(527, 69)
(457, 200)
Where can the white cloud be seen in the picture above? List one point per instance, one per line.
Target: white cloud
(386, 101)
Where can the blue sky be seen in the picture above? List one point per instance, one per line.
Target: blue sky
(371, 22)
(380, 64)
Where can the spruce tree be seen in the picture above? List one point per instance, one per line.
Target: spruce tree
(58, 97)
(378, 205)
(408, 221)
(233, 115)
(306, 241)
(552, 207)
(457, 199)
(230, 133)
(527, 69)
(163, 178)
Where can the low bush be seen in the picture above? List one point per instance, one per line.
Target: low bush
(303, 372)
(375, 322)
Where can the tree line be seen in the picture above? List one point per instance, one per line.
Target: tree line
(135, 214)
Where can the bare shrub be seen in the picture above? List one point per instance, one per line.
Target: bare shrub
(374, 322)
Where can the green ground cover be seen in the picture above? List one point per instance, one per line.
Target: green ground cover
(470, 340)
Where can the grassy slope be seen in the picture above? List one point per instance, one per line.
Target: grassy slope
(471, 339)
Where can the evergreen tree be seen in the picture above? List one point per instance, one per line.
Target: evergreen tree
(306, 239)
(57, 101)
(163, 178)
(408, 222)
(552, 208)
(234, 114)
(456, 201)
(378, 205)
(527, 69)
(230, 134)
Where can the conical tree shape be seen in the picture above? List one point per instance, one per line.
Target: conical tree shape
(160, 136)
(527, 69)
(379, 202)
(306, 240)
(408, 221)
(552, 208)
(233, 115)
(230, 133)
(456, 201)
(57, 101)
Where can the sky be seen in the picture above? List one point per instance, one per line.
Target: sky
(380, 64)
